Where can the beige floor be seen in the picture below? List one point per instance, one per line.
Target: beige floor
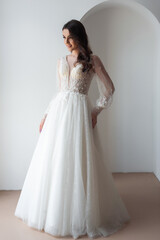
(139, 191)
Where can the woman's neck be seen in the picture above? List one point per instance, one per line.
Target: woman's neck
(75, 53)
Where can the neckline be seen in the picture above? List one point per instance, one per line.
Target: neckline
(68, 62)
(70, 70)
(65, 57)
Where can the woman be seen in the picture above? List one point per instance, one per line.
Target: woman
(68, 189)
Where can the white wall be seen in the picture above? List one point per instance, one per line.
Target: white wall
(129, 49)
(31, 41)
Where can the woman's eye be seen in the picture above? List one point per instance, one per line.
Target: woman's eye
(67, 38)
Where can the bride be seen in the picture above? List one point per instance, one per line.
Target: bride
(68, 189)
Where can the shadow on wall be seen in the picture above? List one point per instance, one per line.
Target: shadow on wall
(126, 36)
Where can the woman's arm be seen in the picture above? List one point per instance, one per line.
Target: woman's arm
(105, 86)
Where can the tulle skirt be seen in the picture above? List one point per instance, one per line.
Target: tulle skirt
(68, 189)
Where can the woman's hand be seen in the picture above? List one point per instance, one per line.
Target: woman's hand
(94, 119)
(42, 123)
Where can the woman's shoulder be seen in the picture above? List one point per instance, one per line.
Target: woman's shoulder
(95, 57)
(61, 57)
(96, 61)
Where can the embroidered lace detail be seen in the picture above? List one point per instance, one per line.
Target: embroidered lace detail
(103, 102)
(75, 81)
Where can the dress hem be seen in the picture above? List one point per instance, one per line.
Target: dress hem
(98, 232)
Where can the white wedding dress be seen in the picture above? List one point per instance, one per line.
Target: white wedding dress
(68, 189)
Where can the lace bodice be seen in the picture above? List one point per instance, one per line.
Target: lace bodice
(72, 78)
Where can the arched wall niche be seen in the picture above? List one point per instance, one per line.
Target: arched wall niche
(126, 36)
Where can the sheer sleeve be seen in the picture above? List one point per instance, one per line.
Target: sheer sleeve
(58, 86)
(105, 86)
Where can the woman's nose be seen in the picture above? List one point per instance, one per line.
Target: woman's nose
(66, 41)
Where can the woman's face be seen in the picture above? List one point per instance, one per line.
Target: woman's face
(68, 41)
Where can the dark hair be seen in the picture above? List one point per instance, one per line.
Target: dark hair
(78, 33)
